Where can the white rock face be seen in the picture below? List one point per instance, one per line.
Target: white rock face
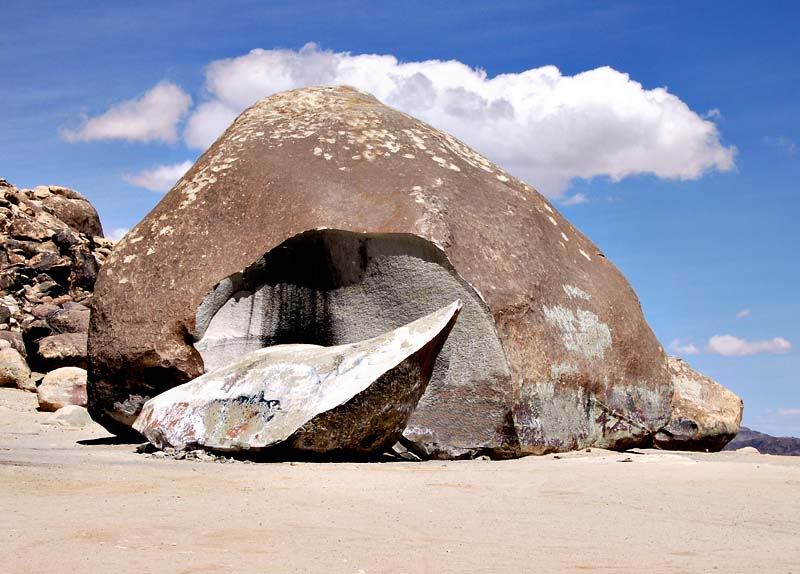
(354, 398)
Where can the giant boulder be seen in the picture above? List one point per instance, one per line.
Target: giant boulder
(366, 217)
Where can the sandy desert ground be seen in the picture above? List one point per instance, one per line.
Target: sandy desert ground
(94, 506)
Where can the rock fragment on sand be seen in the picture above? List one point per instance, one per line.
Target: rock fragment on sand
(557, 355)
(347, 399)
(62, 387)
(70, 416)
(14, 371)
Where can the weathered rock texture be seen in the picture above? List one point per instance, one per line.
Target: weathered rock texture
(577, 365)
(347, 399)
(705, 415)
(50, 252)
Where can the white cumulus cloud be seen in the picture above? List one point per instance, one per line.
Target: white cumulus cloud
(746, 312)
(160, 178)
(730, 346)
(152, 117)
(541, 125)
(684, 348)
(789, 412)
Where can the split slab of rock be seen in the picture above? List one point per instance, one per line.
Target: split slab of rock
(349, 399)
(62, 387)
(331, 287)
(705, 415)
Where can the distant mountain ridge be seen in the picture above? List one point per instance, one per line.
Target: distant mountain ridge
(766, 444)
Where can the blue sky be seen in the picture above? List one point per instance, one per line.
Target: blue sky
(713, 235)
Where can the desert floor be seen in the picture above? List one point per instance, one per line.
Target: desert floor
(94, 506)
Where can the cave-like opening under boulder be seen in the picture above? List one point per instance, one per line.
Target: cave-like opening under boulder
(333, 287)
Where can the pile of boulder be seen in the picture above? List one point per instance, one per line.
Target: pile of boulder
(51, 250)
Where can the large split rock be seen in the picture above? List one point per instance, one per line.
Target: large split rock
(705, 415)
(348, 399)
(558, 355)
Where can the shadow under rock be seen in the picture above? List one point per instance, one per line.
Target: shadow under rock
(109, 440)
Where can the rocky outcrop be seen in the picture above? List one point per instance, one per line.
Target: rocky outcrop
(347, 400)
(51, 249)
(560, 355)
(705, 415)
(62, 387)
